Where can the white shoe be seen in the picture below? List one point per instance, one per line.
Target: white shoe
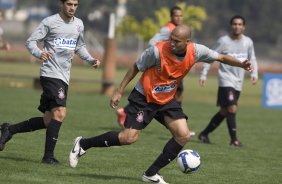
(192, 133)
(154, 179)
(76, 152)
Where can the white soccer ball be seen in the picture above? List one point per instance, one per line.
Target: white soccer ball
(188, 161)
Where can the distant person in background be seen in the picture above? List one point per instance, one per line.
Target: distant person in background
(230, 79)
(62, 35)
(4, 45)
(164, 66)
(176, 18)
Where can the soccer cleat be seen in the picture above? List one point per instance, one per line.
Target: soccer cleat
(153, 179)
(76, 152)
(236, 143)
(51, 161)
(192, 133)
(121, 115)
(204, 138)
(6, 135)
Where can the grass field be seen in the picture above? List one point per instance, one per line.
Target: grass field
(89, 114)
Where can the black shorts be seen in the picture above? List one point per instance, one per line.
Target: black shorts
(54, 94)
(180, 87)
(227, 96)
(139, 113)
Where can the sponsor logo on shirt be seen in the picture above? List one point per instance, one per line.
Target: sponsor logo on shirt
(165, 88)
(64, 43)
(240, 56)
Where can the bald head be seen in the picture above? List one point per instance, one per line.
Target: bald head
(182, 32)
(179, 38)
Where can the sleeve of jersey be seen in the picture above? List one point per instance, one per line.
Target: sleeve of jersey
(163, 35)
(206, 55)
(38, 35)
(252, 58)
(148, 59)
(82, 51)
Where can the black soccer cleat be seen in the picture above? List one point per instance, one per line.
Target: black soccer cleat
(51, 161)
(236, 143)
(204, 138)
(6, 135)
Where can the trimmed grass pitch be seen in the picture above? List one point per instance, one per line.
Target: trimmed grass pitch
(89, 114)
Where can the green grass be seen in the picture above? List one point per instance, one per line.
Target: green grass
(89, 114)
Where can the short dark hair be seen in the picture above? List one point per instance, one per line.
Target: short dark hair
(237, 17)
(173, 9)
(63, 1)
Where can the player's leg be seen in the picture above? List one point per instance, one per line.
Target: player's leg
(218, 117)
(180, 133)
(53, 120)
(231, 99)
(53, 104)
(108, 139)
(8, 130)
(134, 123)
(32, 124)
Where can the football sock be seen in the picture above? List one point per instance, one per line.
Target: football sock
(105, 140)
(52, 133)
(170, 151)
(214, 123)
(231, 124)
(30, 125)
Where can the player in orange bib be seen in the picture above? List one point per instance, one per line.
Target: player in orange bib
(163, 66)
(176, 18)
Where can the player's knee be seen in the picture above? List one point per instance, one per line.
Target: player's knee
(183, 138)
(232, 109)
(128, 137)
(130, 140)
(60, 113)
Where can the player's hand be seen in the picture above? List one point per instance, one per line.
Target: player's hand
(46, 55)
(202, 82)
(115, 99)
(96, 63)
(247, 65)
(254, 80)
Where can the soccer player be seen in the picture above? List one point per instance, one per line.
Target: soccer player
(163, 66)
(62, 35)
(176, 18)
(230, 79)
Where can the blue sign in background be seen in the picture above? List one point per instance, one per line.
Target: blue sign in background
(272, 91)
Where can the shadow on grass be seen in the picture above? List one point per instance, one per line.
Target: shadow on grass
(101, 176)
(18, 159)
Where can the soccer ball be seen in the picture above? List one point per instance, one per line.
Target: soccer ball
(188, 161)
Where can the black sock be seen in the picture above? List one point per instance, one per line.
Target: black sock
(52, 133)
(214, 123)
(30, 125)
(231, 124)
(105, 140)
(170, 151)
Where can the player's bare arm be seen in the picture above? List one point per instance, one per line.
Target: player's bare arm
(131, 73)
(226, 59)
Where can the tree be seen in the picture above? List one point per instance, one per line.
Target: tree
(146, 28)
